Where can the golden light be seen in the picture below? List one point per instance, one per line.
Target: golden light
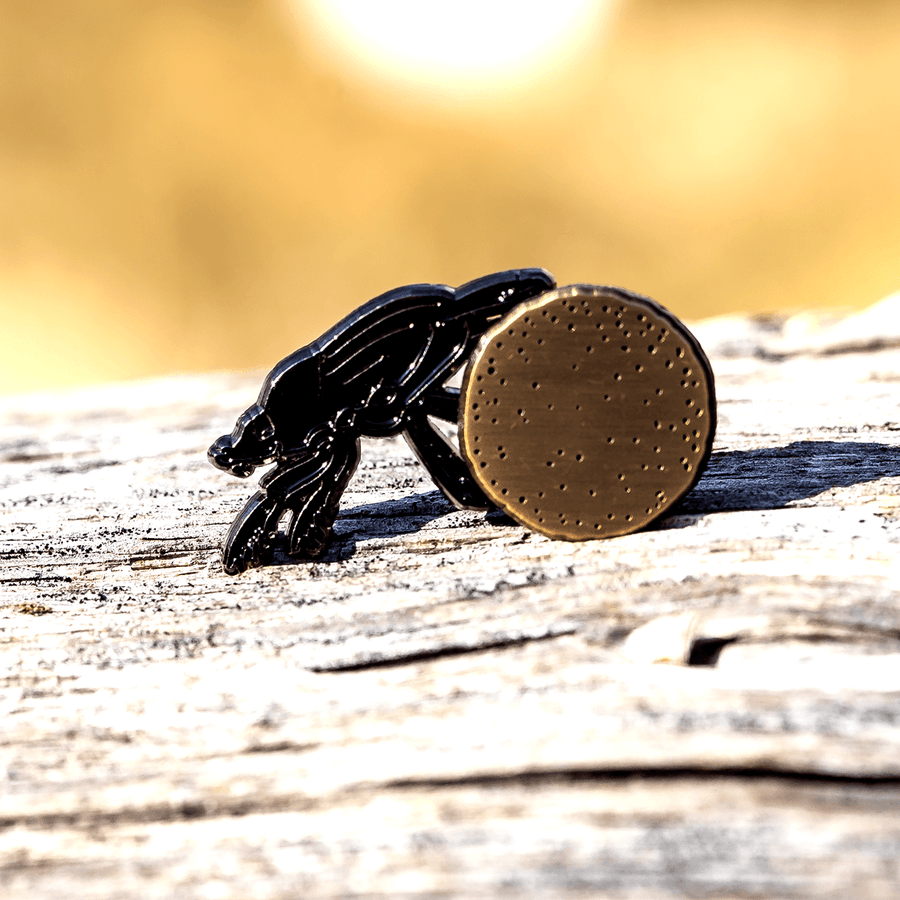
(470, 50)
(203, 185)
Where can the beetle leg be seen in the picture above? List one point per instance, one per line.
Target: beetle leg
(314, 504)
(442, 403)
(444, 464)
(249, 539)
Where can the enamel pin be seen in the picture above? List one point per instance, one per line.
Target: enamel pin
(585, 411)
(379, 372)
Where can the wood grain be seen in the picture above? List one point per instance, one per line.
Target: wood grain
(448, 705)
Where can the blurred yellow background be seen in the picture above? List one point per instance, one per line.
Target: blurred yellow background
(211, 183)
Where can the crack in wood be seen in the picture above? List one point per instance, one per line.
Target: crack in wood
(449, 649)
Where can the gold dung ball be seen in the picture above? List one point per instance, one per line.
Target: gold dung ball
(587, 412)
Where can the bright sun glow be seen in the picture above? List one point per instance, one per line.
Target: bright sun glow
(475, 47)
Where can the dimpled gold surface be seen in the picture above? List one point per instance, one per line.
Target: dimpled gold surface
(587, 412)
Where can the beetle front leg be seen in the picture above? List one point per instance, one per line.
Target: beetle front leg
(314, 505)
(251, 535)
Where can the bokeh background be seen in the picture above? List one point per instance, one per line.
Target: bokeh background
(201, 184)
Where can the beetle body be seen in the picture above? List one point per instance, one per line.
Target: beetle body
(379, 372)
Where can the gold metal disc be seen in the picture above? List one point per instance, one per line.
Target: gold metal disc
(587, 412)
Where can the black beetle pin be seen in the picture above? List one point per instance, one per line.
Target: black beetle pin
(379, 372)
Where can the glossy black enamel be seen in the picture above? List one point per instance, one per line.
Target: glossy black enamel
(379, 372)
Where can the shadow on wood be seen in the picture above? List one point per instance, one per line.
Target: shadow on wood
(735, 480)
(773, 477)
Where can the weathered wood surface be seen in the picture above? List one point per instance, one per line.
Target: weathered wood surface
(447, 705)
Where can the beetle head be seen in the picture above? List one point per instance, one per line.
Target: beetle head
(252, 443)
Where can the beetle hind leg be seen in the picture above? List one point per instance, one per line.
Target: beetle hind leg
(445, 466)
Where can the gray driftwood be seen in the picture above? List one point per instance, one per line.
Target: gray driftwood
(447, 705)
